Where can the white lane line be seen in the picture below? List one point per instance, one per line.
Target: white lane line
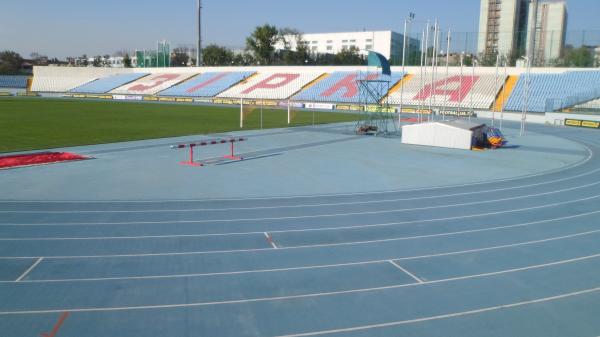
(446, 316)
(312, 216)
(250, 250)
(270, 240)
(305, 205)
(390, 224)
(292, 297)
(405, 271)
(29, 269)
(562, 169)
(296, 268)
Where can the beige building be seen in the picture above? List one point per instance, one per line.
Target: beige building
(506, 27)
(502, 27)
(549, 29)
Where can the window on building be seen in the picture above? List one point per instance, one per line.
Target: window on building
(344, 41)
(329, 48)
(369, 40)
(369, 46)
(329, 41)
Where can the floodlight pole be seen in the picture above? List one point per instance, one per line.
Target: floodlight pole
(199, 44)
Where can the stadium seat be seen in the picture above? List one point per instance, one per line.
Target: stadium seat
(207, 85)
(551, 92)
(270, 86)
(152, 84)
(341, 87)
(106, 84)
(452, 91)
(13, 82)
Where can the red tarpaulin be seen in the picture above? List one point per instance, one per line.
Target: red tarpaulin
(38, 159)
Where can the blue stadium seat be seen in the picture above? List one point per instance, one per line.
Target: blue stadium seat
(208, 84)
(15, 82)
(551, 92)
(106, 84)
(341, 87)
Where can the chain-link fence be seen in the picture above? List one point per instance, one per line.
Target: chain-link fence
(577, 48)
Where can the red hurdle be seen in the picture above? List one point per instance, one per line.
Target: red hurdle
(191, 146)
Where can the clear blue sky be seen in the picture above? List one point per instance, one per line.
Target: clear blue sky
(73, 27)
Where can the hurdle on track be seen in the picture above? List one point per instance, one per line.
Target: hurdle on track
(210, 142)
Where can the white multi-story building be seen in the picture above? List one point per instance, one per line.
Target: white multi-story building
(387, 43)
(548, 22)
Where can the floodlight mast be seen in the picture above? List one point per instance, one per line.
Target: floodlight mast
(199, 44)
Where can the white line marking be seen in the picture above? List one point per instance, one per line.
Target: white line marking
(405, 271)
(270, 240)
(315, 215)
(297, 268)
(451, 315)
(390, 224)
(183, 210)
(29, 269)
(292, 297)
(235, 251)
(562, 169)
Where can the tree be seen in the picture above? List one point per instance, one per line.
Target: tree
(215, 55)
(126, 61)
(106, 61)
(10, 63)
(489, 59)
(97, 61)
(262, 43)
(349, 56)
(301, 54)
(577, 57)
(180, 57)
(84, 60)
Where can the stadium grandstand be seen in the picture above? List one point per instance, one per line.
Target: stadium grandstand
(153, 84)
(268, 85)
(342, 87)
(455, 91)
(106, 84)
(207, 84)
(13, 82)
(12, 85)
(550, 90)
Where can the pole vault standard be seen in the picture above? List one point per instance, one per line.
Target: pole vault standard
(447, 74)
(191, 146)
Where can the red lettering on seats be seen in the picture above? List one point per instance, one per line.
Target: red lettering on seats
(349, 84)
(457, 94)
(158, 80)
(273, 82)
(205, 83)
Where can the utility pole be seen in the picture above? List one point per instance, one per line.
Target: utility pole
(199, 44)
